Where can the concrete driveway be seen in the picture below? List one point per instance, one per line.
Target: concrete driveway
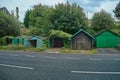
(108, 51)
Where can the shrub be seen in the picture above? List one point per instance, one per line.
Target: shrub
(65, 50)
(43, 47)
(13, 47)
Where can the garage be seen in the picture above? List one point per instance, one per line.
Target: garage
(107, 39)
(82, 40)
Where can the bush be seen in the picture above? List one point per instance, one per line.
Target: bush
(3, 47)
(43, 47)
(68, 50)
(13, 47)
(65, 50)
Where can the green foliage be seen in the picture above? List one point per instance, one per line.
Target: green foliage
(33, 31)
(39, 18)
(68, 50)
(43, 47)
(102, 20)
(3, 40)
(9, 25)
(117, 11)
(116, 28)
(68, 18)
(23, 48)
(27, 19)
(65, 50)
(13, 47)
(59, 33)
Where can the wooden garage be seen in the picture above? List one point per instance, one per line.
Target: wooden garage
(82, 40)
(107, 39)
(57, 42)
(58, 39)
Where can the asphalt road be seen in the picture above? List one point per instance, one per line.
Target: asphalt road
(39, 66)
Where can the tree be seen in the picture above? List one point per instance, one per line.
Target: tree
(8, 25)
(117, 28)
(39, 18)
(117, 11)
(33, 31)
(102, 20)
(27, 19)
(68, 18)
(17, 13)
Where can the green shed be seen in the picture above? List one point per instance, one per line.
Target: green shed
(6, 40)
(107, 39)
(18, 40)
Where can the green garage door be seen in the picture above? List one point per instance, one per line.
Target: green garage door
(107, 42)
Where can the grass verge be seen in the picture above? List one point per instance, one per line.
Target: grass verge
(67, 50)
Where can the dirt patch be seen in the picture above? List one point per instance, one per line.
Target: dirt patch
(53, 50)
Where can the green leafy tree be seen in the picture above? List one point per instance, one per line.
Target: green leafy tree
(102, 20)
(39, 17)
(27, 19)
(8, 25)
(33, 31)
(68, 18)
(117, 11)
(117, 28)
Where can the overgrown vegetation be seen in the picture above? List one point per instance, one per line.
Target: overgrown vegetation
(6, 40)
(68, 50)
(58, 33)
(13, 47)
(9, 25)
(20, 47)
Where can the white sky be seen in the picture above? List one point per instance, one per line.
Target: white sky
(90, 6)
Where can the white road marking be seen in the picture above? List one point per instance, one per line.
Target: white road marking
(53, 52)
(94, 72)
(29, 56)
(13, 66)
(73, 58)
(49, 57)
(14, 55)
(116, 59)
(95, 59)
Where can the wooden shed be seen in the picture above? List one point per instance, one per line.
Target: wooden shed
(36, 41)
(82, 40)
(107, 39)
(18, 40)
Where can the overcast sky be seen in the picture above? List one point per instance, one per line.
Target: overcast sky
(89, 6)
